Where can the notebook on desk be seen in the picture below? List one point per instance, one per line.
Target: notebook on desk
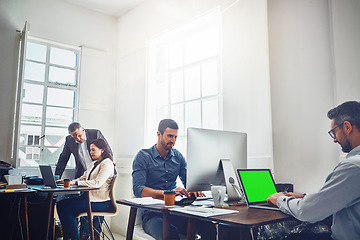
(257, 185)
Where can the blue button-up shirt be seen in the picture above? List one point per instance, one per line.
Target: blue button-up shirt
(151, 170)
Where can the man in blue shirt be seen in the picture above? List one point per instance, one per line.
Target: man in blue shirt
(339, 197)
(156, 170)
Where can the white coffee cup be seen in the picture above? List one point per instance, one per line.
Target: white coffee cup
(218, 194)
(13, 179)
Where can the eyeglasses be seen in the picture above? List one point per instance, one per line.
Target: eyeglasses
(332, 133)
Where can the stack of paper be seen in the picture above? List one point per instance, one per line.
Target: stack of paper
(203, 211)
(145, 201)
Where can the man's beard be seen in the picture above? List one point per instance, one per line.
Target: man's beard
(165, 146)
(346, 148)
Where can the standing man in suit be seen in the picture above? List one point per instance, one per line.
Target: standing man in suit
(78, 144)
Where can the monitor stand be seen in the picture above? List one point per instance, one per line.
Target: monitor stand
(226, 174)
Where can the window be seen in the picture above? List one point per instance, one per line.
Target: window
(48, 102)
(184, 78)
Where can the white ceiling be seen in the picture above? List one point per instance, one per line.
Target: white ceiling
(115, 8)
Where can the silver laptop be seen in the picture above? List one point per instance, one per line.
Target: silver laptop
(257, 185)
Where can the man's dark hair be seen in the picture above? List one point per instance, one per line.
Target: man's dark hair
(348, 111)
(167, 123)
(73, 127)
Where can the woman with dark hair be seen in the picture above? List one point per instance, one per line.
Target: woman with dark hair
(99, 175)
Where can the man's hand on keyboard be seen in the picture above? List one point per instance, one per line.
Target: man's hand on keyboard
(181, 192)
(198, 194)
(296, 195)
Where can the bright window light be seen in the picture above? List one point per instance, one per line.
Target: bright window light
(184, 78)
(49, 101)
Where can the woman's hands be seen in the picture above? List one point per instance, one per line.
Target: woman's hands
(61, 181)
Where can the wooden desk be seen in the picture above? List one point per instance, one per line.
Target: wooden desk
(155, 208)
(50, 197)
(245, 219)
(22, 194)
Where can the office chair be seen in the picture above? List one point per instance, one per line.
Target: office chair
(110, 214)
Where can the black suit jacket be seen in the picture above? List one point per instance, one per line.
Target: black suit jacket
(71, 147)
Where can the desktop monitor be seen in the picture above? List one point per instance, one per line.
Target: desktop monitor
(209, 152)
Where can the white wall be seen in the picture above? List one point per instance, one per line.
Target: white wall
(346, 37)
(309, 76)
(302, 91)
(64, 23)
(246, 80)
(8, 63)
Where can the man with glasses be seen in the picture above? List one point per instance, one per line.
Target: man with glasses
(339, 197)
(78, 144)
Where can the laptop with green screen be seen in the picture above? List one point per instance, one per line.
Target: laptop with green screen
(257, 185)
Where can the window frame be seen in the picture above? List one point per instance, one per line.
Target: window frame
(46, 86)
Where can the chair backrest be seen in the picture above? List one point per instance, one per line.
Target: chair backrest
(112, 199)
(112, 195)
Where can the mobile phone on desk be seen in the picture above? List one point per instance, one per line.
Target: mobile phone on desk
(185, 201)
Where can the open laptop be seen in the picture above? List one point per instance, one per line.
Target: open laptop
(48, 176)
(257, 185)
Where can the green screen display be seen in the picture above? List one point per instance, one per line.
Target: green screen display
(258, 184)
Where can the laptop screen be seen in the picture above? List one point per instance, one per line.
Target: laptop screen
(47, 176)
(257, 184)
